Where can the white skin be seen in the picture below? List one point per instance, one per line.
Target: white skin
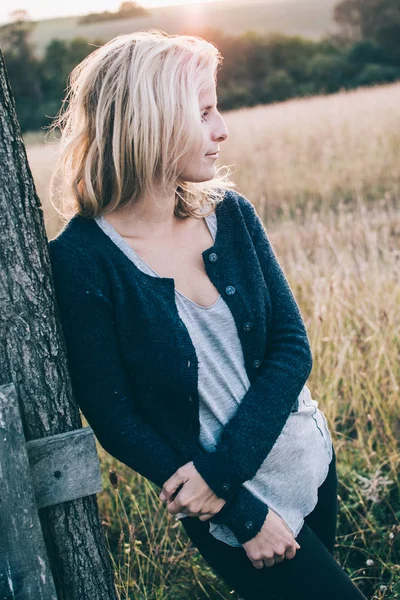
(275, 541)
(153, 215)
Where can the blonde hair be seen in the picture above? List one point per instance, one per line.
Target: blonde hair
(132, 112)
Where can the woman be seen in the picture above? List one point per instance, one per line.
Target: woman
(187, 350)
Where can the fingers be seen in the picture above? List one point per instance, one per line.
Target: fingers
(277, 558)
(280, 557)
(175, 503)
(291, 552)
(181, 476)
(261, 561)
(269, 562)
(205, 517)
(266, 562)
(171, 486)
(173, 507)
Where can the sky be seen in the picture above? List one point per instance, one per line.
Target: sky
(46, 9)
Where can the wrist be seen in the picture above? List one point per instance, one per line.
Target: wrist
(244, 514)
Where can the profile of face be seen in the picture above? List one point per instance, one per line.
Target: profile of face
(199, 164)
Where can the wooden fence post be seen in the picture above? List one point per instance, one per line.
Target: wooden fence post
(33, 358)
(25, 571)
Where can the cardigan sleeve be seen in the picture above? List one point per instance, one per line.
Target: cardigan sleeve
(243, 513)
(249, 436)
(98, 377)
(103, 392)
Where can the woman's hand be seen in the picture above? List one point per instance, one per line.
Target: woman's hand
(272, 544)
(195, 498)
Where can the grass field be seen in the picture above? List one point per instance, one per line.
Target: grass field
(324, 176)
(309, 18)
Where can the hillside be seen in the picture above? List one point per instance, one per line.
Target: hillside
(309, 18)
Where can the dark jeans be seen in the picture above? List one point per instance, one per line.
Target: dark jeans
(313, 574)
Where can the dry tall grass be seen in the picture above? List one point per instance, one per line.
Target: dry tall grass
(324, 176)
(317, 151)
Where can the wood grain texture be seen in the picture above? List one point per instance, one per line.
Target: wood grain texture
(33, 357)
(24, 566)
(64, 467)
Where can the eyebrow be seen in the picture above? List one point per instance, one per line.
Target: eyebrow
(208, 107)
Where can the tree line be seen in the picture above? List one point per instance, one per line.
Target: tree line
(126, 10)
(256, 69)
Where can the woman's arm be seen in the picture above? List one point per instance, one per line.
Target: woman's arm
(187, 492)
(251, 433)
(102, 390)
(243, 513)
(99, 381)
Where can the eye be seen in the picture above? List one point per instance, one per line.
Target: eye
(204, 115)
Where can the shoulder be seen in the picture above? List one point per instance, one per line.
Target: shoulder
(244, 206)
(74, 256)
(65, 257)
(79, 240)
(76, 234)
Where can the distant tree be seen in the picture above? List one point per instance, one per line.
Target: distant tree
(235, 77)
(22, 67)
(127, 10)
(374, 74)
(20, 14)
(291, 54)
(376, 20)
(60, 57)
(348, 15)
(328, 73)
(14, 36)
(366, 51)
(277, 86)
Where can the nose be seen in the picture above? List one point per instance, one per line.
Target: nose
(220, 131)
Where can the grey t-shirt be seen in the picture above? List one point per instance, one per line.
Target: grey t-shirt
(288, 479)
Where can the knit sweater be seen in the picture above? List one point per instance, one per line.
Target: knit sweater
(289, 478)
(134, 368)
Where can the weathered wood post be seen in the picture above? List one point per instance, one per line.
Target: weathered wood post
(25, 570)
(33, 358)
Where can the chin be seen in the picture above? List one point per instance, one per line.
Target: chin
(200, 178)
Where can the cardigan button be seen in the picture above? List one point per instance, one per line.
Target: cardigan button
(190, 398)
(249, 525)
(230, 290)
(247, 326)
(226, 487)
(256, 364)
(212, 257)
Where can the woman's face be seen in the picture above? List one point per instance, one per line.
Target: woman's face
(199, 165)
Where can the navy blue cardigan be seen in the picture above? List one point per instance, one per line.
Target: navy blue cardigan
(134, 368)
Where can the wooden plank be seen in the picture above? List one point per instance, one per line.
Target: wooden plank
(24, 566)
(64, 467)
